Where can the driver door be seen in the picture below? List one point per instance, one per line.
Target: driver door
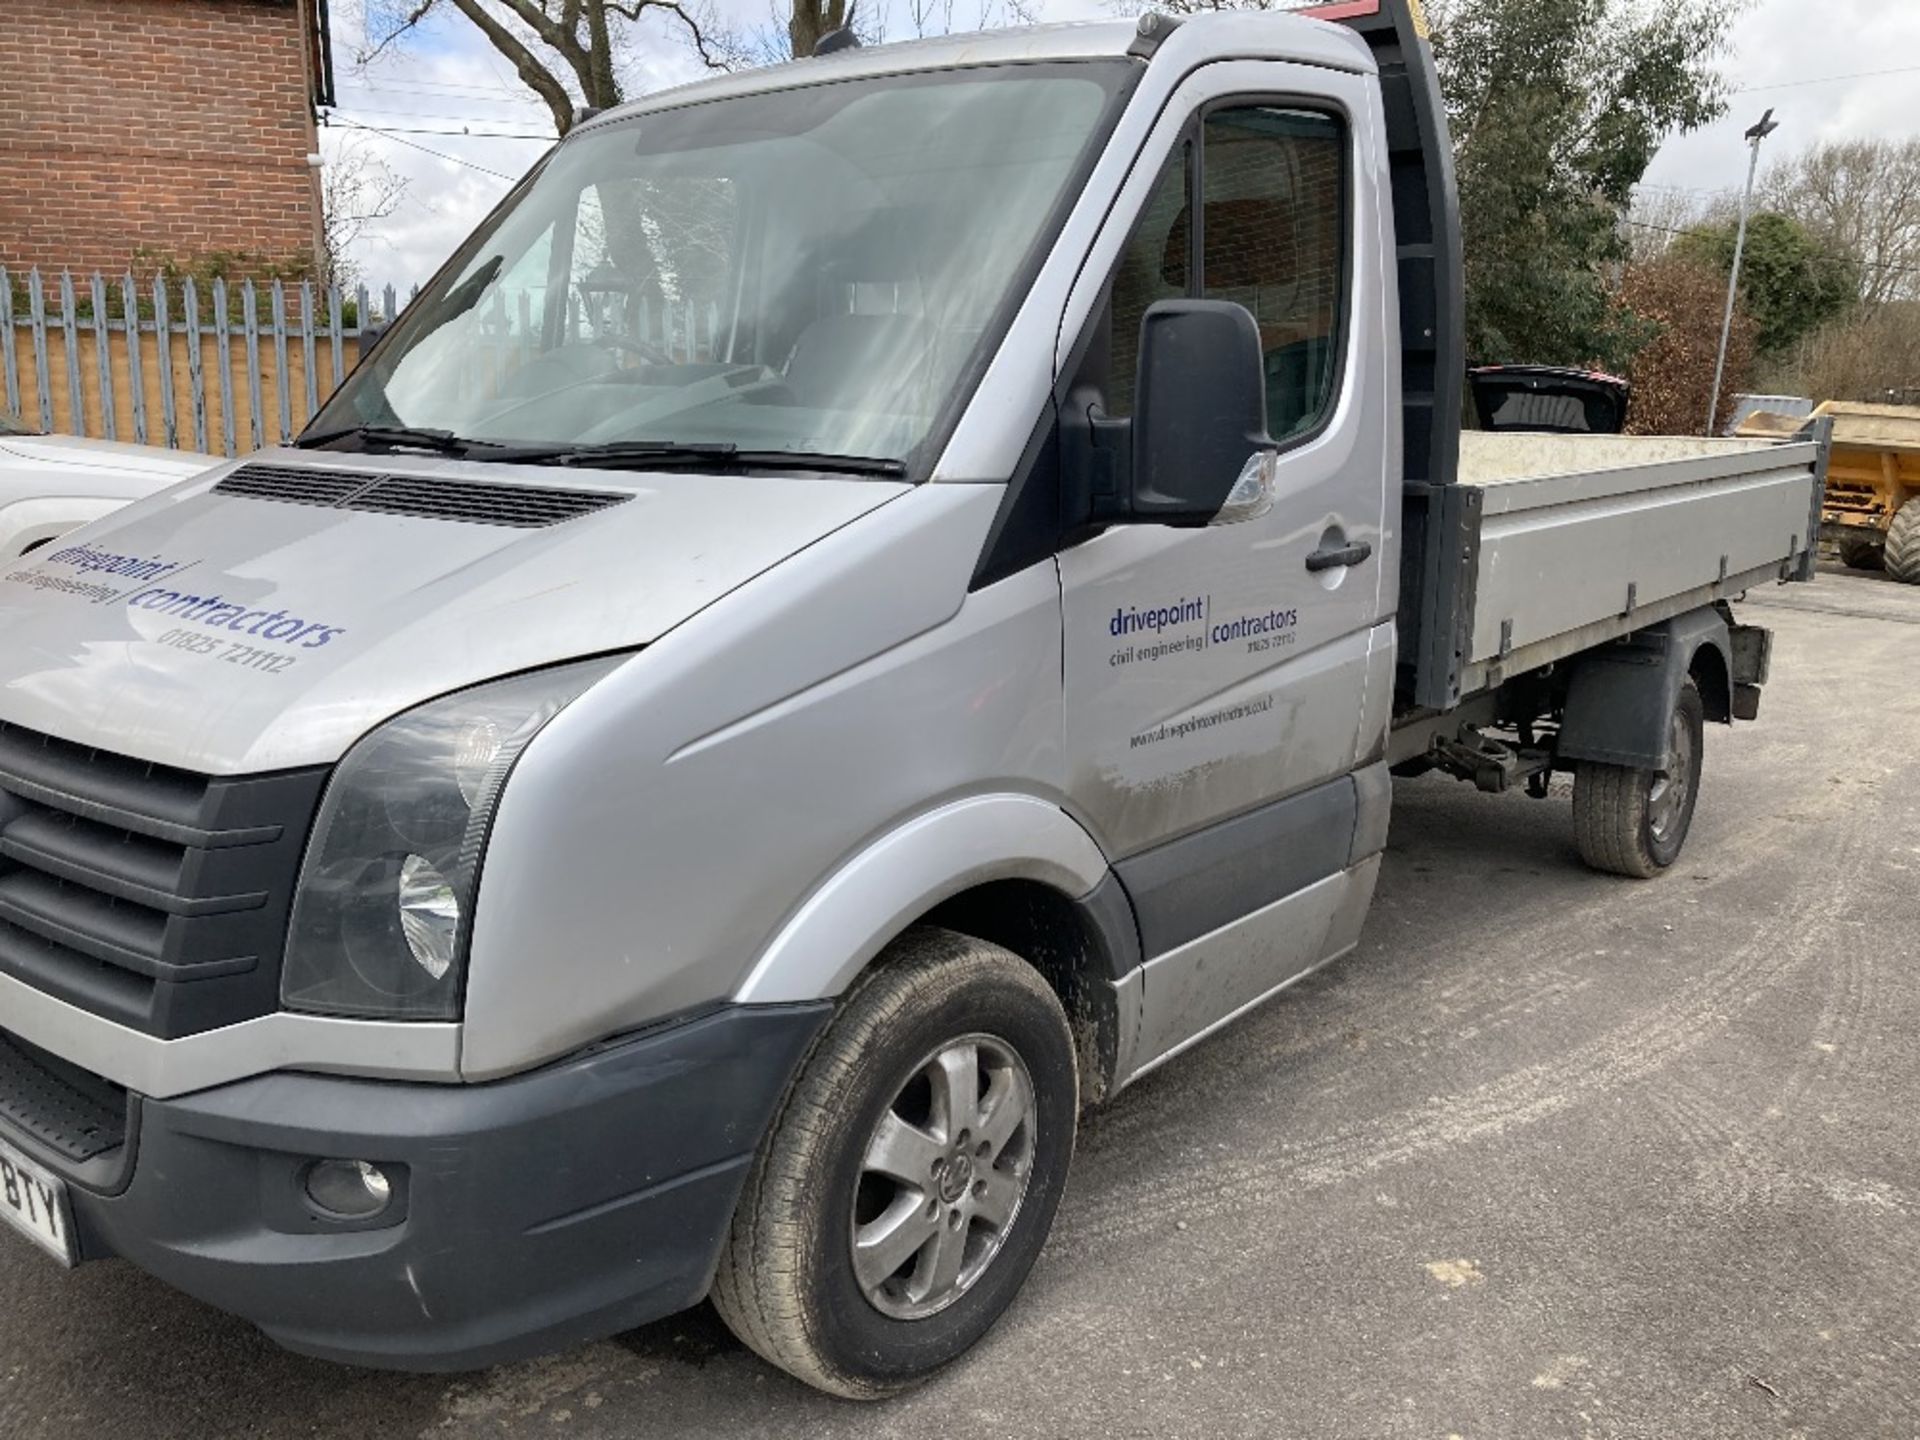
(1215, 678)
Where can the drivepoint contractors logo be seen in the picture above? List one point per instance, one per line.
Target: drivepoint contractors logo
(152, 584)
(1186, 626)
(216, 613)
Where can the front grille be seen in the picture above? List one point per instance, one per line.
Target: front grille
(76, 1114)
(425, 497)
(152, 896)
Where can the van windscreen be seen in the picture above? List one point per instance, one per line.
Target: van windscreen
(812, 270)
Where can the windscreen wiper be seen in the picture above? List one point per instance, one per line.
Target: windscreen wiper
(814, 460)
(614, 454)
(645, 454)
(441, 442)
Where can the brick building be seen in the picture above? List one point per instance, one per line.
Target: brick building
(134, 132)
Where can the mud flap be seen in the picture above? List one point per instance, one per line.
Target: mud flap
(1621, 697)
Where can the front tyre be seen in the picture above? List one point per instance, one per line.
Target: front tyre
(911, 1177)
(1863, 555)
(1634, 822)
(1901, 558)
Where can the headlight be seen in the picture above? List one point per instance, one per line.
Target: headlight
(384, 910)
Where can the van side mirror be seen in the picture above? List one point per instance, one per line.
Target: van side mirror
(1196, 451)
(1200, 409)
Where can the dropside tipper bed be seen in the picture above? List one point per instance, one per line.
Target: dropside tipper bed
(1525, 556)
(1561, 544)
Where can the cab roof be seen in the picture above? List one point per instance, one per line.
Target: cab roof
(1155, 39)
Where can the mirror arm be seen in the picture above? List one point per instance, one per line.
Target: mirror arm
(1098, 451)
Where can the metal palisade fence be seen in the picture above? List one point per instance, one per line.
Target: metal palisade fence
(213, 366)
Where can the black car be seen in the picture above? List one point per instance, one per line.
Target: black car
(1549, 398)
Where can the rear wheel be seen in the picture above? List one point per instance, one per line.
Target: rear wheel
(1634, 822)
(912, 1175)
(1903, 545)
(1862, 554)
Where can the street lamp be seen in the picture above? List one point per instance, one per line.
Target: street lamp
(1758, 133)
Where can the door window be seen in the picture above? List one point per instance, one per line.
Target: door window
(1271, 232)
(1142, 277)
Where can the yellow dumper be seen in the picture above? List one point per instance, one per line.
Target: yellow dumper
(1874, 474)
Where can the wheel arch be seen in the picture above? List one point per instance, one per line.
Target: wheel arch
(27, 524)
(1081, 947)
(1713, 676)
(1620, 697)
(1013, 870)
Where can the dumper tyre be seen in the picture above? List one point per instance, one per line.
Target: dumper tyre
(909, 1181)
(1862, 554)
(1634, 822)
(1903, 545)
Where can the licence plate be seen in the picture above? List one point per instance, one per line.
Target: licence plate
(35, 1203)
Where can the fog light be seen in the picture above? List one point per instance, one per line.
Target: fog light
(351, 1189)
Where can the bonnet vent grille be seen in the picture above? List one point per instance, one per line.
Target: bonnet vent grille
(286, 482)
(525, 507)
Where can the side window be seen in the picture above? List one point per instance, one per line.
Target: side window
(1152, 267)
(1272, 238)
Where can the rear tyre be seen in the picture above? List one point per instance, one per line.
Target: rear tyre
(1862, 554)
(1635, 822)
(912, 1175)
(1903, 545)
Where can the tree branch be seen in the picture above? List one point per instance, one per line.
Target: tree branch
(525, 63)
(562, 38)
(413, 18)
(716, 52)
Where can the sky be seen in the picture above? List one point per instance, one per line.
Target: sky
(1831, 69)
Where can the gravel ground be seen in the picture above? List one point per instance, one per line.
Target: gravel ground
(1551, 1155)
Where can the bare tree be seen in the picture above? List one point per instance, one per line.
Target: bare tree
(568, 52)
(812, 20)
(1863, 196)
(1198, 7)
(356, 189)
(1873, 355)
(1658, 217)
(873, 21)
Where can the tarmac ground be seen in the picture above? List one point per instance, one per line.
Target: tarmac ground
(1552, 1154)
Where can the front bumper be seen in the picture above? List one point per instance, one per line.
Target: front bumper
(1849, 526)
(528, 1214)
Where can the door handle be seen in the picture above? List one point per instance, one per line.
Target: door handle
(1340, 557)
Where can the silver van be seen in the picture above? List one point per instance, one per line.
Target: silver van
(870, 604)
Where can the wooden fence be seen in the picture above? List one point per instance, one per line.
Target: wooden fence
(216, 367)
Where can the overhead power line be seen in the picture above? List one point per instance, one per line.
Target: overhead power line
(494, 91)
(373, 115)
(399, 138)
(1686, 190)
(1829, 79)
(1885, 265)
(464, 133)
